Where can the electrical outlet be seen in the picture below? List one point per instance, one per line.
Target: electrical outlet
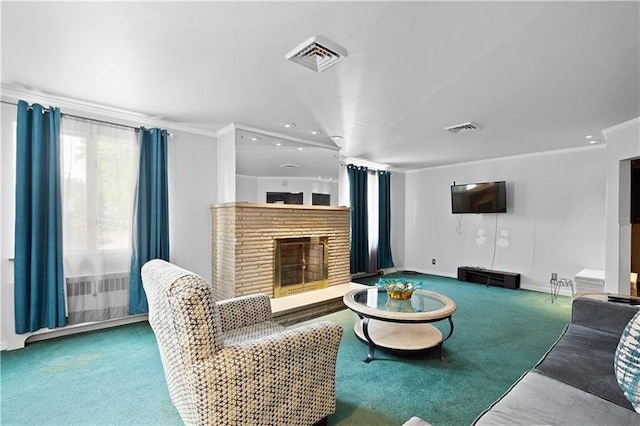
(433, 261)
(554, 276)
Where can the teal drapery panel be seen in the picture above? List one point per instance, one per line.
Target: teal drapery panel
(151, 213)
(385, 260)
(38, 270)
(359, 218)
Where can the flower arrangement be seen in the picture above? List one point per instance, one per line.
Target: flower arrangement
(399, 288)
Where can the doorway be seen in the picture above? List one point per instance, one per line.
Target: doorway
(635, 257)
(635, 226)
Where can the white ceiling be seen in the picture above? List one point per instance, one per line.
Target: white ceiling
(536, 76)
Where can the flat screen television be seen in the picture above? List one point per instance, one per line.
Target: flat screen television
(485, 197)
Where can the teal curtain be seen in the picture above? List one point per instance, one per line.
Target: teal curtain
(359, 218)
(385, 259)
(38, 269)
(151, 213)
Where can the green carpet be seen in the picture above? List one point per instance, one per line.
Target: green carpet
(115, 376)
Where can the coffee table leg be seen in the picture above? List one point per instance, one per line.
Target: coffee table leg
(365, 330)
(450, 329)
(440, 352)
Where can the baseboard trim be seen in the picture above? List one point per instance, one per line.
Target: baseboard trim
(366, 274)
(85, 327)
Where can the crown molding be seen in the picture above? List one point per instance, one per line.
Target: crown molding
(632, 122)
(305, 178)
(513, 157)
(92, 110)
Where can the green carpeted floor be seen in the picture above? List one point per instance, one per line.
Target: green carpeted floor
(115, 376)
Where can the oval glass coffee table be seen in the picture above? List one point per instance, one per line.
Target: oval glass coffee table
(400, 325)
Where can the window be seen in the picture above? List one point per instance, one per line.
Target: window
(99, 166)
(99, 175)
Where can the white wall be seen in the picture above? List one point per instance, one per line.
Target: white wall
(7, 215)
(623, 144)
(225, 166)
(192, 192)
(247, 189)
(192, 176)
(254, 189)
(398, 230)
(555, 220)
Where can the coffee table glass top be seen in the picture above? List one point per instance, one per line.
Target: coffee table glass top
(419, 302)
(423, 304)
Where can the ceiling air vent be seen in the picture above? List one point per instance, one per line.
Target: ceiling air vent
(464, 127)
(289, 166)
(317, 53)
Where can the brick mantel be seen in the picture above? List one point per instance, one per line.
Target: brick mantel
(243, 238)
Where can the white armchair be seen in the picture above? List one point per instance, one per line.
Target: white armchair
(229, 363)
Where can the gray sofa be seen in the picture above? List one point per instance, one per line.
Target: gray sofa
(574, 383)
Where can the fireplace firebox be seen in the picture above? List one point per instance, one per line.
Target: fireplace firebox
(301, 264)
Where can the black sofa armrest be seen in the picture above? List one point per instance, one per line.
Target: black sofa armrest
(602, 315)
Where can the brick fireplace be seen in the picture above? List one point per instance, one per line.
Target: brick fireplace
(244, 243)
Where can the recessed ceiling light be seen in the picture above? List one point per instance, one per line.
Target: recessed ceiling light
(255, 138)
(299, 148)
(589, 136)
(316, 132)
(278, 144)
(288, 125)
(592, 141)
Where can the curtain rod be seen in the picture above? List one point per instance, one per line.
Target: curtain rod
(111, 123)
(368, 168)
(83, 118)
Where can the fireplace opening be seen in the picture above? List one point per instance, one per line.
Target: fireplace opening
(301, 264)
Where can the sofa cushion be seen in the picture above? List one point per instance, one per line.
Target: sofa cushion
(601, 315)
(583, 357)
(627, 361)
(537, 399)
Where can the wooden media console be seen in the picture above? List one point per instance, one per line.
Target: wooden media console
(489, 277)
